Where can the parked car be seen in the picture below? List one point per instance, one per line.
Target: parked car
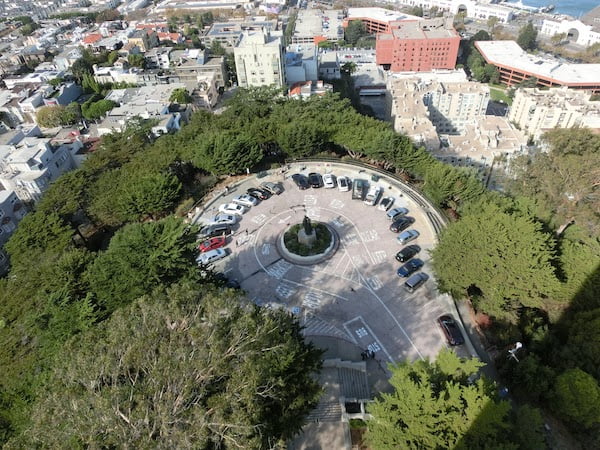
(232, 208)
(227, 219)
(393, 214)
(410, 267)
(273, 188)
(451, 330)
(245, 200)
(386, 203)
(407, 252)
(343, 184)
(301, 181)
(215, 229)
(373, 195)
(260, 194)
(212, 243)
(358, 189)
(415, 281)
(211, 256)
(407, 236)
(401, 224)
(314, 179)
(328, 181)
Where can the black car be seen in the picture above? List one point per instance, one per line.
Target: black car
(314, 179)
(407, 252)
(451, 330)
(260, 194)
(401, 224)
(410, 267)
(301, 181)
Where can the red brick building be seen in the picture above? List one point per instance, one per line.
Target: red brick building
(418, 46)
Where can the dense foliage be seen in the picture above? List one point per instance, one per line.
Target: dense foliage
(180, 369)
(436, 405)
(102, 236)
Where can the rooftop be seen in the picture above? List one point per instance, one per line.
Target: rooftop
(379, 14)
(439, 28)
(509, 54)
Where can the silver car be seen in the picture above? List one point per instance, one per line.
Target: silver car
(245, 200)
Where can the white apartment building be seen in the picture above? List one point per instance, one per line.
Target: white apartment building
(28, 168)
(259, 59)
(535, 111)
(575, 31)
(12, 211)
(473, 9)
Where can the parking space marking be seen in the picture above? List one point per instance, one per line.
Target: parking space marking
(279, 269)
(310, 200)
(266, 249)
(244, 239)
(315, 289)
(374, 283)
(350, 239)
(337, 204)
(379, 256)
(285, 291)
(369, 236)
(366, 338)
(385, 307)
(312, 299)
(259, 219)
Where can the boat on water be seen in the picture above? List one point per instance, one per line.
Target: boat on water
(546, 9)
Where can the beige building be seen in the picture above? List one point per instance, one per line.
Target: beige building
(259, 59)
(536, 111)
(446, 115)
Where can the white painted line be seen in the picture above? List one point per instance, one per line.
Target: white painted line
(373, 335)
(314, 289)
(393, 318)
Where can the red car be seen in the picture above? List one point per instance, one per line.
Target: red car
(211, 244)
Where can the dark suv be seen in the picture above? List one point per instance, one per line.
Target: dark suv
(401, 224)
(407, 252)
(314, 179)
(300, 181)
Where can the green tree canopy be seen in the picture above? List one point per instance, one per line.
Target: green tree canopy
(300, 139)
(139, 258)
(354, 31)
(564, 180)
(434, 406)
(502, 258)
(227, 152)
(147, 194)
(54, 116)
(577, 397)
(181, 96)
(527, 37)
(96, 110)
(180, 369)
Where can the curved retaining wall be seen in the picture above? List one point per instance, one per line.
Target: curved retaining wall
(313, 259)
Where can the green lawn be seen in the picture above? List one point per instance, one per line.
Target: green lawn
(499, 95)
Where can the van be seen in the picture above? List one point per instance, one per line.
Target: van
(211, 256)
(415, 281)
(373, 195)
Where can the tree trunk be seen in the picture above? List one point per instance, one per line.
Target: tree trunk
(564, 226)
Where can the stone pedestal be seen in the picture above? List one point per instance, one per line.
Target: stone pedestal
(307, 239)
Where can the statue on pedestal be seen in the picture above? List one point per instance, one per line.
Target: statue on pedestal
(308, 229)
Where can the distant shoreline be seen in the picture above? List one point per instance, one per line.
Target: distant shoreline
(570, 8)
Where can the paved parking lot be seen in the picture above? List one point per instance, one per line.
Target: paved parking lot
(356, 295)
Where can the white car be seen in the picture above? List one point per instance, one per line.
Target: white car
(343, 184)
(232, 208)
(373, 195)
(226, 219)
(211, 256)
(386, 203)
(245, 200)
(328, 181)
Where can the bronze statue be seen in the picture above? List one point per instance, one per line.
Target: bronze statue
(307, 225)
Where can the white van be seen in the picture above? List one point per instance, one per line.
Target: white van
(373, 195)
